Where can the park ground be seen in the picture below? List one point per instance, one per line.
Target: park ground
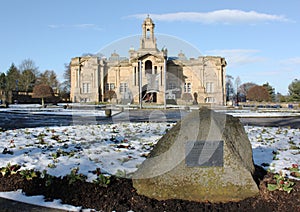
(55, 135)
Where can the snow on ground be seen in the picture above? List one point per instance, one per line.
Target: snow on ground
(275, 148)
(119, 149)
(114, 148)
(37, 200)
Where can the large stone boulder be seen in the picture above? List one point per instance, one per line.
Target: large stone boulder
(205, 157)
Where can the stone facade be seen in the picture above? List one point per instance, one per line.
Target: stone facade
(152, 73)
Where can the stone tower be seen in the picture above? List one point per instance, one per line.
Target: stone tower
(148, 40)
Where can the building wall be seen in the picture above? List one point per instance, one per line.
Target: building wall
(197, 80)
(85, 79)
(191, 76)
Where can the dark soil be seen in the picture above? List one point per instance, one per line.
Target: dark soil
(120, 195)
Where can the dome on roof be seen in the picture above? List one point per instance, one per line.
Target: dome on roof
(114, 54)
(148, 19)
(131, 48)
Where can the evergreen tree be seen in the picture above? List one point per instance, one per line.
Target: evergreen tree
(270, 90)
(2, 81)
(2, 88)
(12, 78)
(49, 78)
(294, 91)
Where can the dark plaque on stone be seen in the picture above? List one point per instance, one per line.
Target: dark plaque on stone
(204, 153)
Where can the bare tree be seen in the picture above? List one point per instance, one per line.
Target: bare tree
(66, 85)
(29, 72)
(27, 80)
(29, 64)
(237, 83)
(229, 88)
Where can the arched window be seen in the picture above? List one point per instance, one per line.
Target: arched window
(148, 34)
(148, 67)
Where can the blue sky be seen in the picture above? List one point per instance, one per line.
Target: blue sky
(259, 39)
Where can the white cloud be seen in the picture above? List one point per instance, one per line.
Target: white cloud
(217, 17)
(291, 61)
(269, 73)
(234, 51)
(238, 57)
(75, 26)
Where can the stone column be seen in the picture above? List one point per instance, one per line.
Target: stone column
(78, 76)
(102, 82)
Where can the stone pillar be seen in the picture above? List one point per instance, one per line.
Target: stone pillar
(102, 71)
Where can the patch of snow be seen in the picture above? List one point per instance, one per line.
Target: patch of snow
(275, 148)
(120, 148)
(37, 200)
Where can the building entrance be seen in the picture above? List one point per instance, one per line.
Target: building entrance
(148, 95)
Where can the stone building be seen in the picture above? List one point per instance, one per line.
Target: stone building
(150, 72)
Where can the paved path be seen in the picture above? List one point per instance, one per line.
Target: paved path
(15, 120)
(293, 122)
(12, 120)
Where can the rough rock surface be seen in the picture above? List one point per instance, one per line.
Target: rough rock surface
(166, 174)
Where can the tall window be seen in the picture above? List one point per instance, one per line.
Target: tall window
(171, 85)
(148, 34)
(148, 67)
(123, 87)
(209, 87)
(161, 76)
(134, 76)
(86, 88)
(187, 87)
(210, 100)
(109, 86)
